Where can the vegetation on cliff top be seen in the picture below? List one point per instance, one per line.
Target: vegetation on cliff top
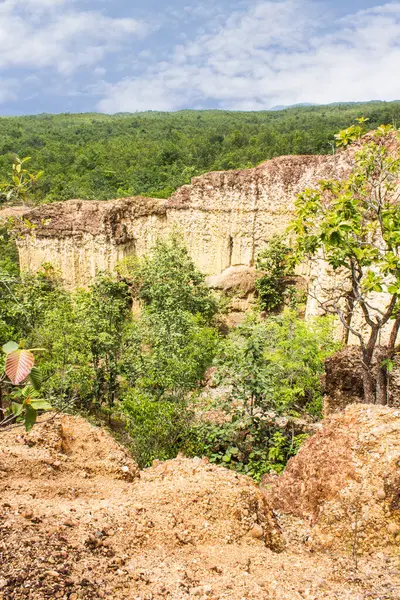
(92, 156)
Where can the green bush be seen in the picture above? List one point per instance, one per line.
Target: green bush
(273, 369)
(272, 285)
(168, 282)
(158, 428)
(277, 364)
(250, 446)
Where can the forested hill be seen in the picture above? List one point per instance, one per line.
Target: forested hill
(97, 156)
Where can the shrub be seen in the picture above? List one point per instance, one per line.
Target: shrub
(275, 266)
(168, 281)
(273, 370)
(158, 428)
(251, 447)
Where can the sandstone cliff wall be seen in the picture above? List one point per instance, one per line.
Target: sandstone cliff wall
(81, 238)
(225, 219)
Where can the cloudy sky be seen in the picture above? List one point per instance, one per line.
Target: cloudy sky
(133, 55)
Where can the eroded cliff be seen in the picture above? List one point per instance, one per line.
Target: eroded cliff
(225, 218)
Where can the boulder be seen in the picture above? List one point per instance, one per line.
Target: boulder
(345, 482)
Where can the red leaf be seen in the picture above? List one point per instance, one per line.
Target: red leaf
(18, 365)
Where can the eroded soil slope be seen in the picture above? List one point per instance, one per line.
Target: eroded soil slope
(78, 521)
(345, 482)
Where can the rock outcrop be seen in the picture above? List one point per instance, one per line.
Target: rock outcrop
(345, 482)
(81, 238)
(225, 219)
(344, 380)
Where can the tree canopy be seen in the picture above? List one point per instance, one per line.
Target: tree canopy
(354, 225)
(93, 156)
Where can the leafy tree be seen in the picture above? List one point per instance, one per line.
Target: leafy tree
(272, 369)
(273, 263)
(103, 312)
(167, 348)
(18, 189)
(168, 281)
(67, 366)
(166, 355)
(9, 267)
(276, 365)
(354, 225)
(173, 341)
(95, 156)
(24, 301)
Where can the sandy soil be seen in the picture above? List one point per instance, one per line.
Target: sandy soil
(78, 521)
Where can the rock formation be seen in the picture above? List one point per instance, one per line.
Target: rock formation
(345, 482)
(225, 219)
(344, 380)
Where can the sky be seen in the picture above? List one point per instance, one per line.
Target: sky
(128, 55)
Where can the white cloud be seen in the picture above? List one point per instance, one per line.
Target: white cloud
(273, 53)
(57, 33)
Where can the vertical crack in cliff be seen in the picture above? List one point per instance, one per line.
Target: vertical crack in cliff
(230, 249)
(254, 222)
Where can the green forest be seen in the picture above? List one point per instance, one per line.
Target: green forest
(94, 156)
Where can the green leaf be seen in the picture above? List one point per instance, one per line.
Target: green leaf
(10, 347)
(40, 405)
(30, 417)
(36, 378)
(16, 409)
(394, 289)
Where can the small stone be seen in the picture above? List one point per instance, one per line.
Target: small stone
(381, 494)
(257, 532)
(73, 597)
(69, 523)
(28, 514)
(125, 469)
(394, 528)
(53, 574)
(216, 569)
(196, 591)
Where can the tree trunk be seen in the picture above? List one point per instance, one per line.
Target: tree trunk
(381, 378)
(368, 385)
(382, 387)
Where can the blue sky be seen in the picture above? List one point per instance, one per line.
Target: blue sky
(125, 55)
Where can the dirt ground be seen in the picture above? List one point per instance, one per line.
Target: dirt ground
(79, 521)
